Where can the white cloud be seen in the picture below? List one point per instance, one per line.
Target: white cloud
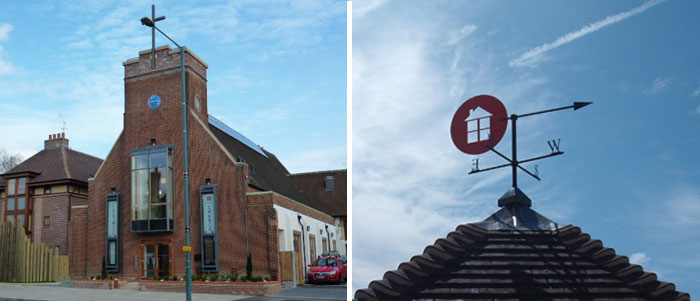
(5, 31)
(316, 159)
(697, 92)
(361, 8)
(640, 259)
(5, 66)
(410, 184)
(657, 85)
(532, 56)
(458, 35)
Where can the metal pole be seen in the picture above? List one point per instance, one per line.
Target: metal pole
(153, 37)
(188, 264)
(514, 163)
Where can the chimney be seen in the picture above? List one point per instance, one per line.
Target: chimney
(329, 183)
(56, 141)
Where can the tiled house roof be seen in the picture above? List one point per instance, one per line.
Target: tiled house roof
(518, 254)
(60, 163)
(312, 185)
(266, 172)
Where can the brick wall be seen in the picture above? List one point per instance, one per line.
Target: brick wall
(226, 288)
(263, 241)
(269, 197)
(56, 207)
(77, 242)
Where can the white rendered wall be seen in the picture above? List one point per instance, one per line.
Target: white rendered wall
(287, 222)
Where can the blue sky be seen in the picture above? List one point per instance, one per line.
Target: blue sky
(629, 175)
(277, 71)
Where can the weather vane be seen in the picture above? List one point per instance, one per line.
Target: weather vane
(480, 123)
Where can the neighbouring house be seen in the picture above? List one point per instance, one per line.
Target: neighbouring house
(241, 200)
(40, 192)
(327, 191)
(518, 254)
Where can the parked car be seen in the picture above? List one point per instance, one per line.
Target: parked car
(327, 269)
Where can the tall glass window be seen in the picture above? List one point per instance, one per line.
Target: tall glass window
(11, 187)
(10, 204)
(21, 185)
(151, 186)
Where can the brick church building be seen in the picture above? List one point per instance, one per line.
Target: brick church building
(238, 191)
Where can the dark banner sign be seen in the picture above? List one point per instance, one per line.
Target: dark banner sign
(112, 244)
(210, 235)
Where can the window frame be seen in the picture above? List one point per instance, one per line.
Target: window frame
(14, 199)
(150, 224)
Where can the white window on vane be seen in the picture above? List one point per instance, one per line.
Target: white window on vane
(478, 125)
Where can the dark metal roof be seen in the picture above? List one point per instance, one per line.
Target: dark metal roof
(519, 263)
(57, 164)
(266, 171)
(312, 186)
(518, 218)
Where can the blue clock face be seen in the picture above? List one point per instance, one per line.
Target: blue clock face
(154, 102)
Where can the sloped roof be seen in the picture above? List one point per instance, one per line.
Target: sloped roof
(266, 173)
(475, 263)
(312, 186)
(59, 163)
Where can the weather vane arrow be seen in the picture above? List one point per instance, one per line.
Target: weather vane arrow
(486, 122)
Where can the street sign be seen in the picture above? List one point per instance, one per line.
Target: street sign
(479, 124)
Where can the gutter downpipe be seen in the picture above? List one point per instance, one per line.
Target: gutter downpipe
(328, 234)
(303, 243)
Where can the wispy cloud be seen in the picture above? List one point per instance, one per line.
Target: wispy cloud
(5, 31)
(408, 78)
(460, 34)
(697, 92)
(640, 258)
(5, 66)
(532, 56)
(657, 85)
(361, 8)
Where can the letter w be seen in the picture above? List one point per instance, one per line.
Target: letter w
(554, 144)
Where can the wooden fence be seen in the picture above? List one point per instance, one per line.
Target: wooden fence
(287, 267)
(24, 261)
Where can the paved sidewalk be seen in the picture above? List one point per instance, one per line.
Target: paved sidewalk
(57, 291)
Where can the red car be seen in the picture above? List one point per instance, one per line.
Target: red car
(328, 269)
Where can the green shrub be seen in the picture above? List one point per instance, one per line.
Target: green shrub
(111, 277)
(267, 279)
(175, 278)
(244, 278)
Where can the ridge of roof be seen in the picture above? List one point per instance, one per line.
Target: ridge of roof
(320, 171)
(84, 154)
(469, 242)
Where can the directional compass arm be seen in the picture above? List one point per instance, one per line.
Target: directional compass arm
(502, 155)
(490, 168)
(529, 173)
(541, 157)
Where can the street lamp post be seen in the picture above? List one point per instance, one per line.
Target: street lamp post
(188, 265)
